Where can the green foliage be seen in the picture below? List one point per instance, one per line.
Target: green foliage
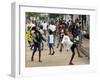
(31, 14)
(54, 15)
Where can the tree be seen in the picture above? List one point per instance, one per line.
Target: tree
(54, 15)
(31, 14)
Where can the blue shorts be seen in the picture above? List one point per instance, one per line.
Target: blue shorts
(50, 45)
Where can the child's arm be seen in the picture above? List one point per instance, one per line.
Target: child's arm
(34, 37)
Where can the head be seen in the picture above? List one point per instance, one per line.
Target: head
(79, 22)
(35, 29)
(66, 33)
(76, 20)
(50, 32)
(52, 22)
(41, 27)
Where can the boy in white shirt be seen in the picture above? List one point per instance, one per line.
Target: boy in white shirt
(45, 24)
(51, 42)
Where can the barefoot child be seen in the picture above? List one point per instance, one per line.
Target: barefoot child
(69, 45)
(51, 42)
(37, 39)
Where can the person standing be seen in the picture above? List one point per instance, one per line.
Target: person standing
(44, 24)
(52, 27)
(75, 33)
(51, 42)
(37, 39)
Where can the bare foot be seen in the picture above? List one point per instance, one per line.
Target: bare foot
(53, 53)
(32, 59)
(80, 56)
(40, 61)
(71, 63)
(60, 50)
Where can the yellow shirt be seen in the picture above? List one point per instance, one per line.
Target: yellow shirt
(28, 35)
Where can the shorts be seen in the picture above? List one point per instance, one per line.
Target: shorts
(73, 47)
(50, 45)
(37, 46)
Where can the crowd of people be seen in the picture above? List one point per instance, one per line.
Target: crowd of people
(60, 33)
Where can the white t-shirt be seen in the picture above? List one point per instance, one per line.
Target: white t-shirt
(33, 25)
(52, 27)
(44, 26)
(51, 39)
(67, 42)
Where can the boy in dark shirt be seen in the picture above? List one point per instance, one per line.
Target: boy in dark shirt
(37, 40)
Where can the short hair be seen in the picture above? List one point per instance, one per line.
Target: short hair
(66, 33)
(33, 28)
(79, 22)
(41, 27)
(50, 32)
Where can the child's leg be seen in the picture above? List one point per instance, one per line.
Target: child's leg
(50, 46)
(53, 51)
(39, 49)
(61, 45)
(40, 55)
(35, 49)
(58, 40)
(58, 44)
(50, 51)
(73, 54)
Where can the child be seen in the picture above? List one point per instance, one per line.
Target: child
(70, 45)
(60, 37)
(28, 34)
(42, 33)
(37, 39)
(51, 42)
